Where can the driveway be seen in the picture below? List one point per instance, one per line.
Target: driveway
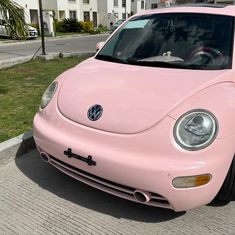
(35, 198)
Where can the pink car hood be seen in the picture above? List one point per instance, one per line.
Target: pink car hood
(134, 98)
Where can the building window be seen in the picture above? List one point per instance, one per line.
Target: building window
(72, 14)
(115, 3)
(86, 15)
(86, 1)
(33, 16)
(61, 15)
(123, 16)
(72, 1)
(142, 4)
(153, 6)
(94, 18)
(123, 3)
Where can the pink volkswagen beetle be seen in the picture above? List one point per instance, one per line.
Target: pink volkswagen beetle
(151, 117)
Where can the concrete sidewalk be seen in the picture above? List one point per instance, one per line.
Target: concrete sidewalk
(35, 198)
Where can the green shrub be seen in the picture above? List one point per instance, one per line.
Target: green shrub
(87, 27)
(58, 25)
(94, 31)
(72, 25)
(102, 28)
(68, 25)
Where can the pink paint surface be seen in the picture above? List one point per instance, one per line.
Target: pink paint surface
(133, 142)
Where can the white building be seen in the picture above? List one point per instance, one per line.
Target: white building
(152, 4)
(31, 8)
(82, 10)
(137, 6)
(63, 8)
(112, 10)
(89, 11)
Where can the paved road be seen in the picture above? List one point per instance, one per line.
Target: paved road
(35, 198)
(68, 44)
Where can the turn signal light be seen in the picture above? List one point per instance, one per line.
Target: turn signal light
(191, 181)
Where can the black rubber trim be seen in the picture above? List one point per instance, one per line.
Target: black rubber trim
(227, 190)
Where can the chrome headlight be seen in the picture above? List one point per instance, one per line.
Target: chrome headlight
(48, 94)
(196, 130)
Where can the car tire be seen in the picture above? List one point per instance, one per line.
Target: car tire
(227, 191)
(14, 36)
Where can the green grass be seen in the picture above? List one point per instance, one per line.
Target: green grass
(103, 29)
(21, 88)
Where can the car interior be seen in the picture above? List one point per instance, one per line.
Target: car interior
(191, 39)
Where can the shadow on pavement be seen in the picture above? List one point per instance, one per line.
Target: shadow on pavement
(49, 178)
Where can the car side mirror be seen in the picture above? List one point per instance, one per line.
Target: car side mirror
(99, 45)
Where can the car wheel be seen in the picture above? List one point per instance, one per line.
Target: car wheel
(227, 191)
(14, 36)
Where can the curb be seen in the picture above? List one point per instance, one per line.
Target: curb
(51, 56)
(11, 62)
(16, 147)
(20, 60)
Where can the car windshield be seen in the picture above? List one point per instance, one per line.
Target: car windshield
(180, 40)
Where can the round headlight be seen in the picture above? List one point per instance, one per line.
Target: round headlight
(48, 94)
(196, 130)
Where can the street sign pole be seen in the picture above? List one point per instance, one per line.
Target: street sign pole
(42, 28)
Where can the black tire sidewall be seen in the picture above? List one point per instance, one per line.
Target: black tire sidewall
(227, 191)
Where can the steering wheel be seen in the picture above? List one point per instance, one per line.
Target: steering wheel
(206, 55)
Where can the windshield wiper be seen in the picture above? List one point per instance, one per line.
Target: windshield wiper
(160, 64)
(110, 58)
(176, 64)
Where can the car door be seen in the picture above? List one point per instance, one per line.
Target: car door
(3, 29)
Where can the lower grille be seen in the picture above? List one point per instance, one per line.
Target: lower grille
(106, 185)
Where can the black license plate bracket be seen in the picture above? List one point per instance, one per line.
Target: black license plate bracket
(88, 160)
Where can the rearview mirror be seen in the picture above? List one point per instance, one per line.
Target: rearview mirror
(99, 45)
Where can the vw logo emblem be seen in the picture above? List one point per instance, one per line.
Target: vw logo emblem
(95, 112)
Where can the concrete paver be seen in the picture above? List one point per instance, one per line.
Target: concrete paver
(35, 198)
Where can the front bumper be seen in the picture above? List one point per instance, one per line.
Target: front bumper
(147, 161)
(32, 34)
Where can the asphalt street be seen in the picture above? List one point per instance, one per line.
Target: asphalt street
(85, 43)
(35, 198)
